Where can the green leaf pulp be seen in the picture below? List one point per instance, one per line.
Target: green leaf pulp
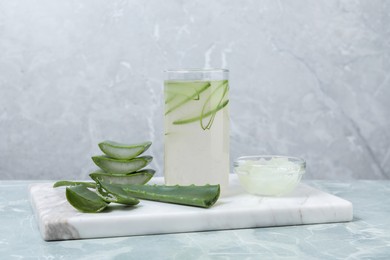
(116, 196)
(139, 177)
(119, 166)
(123, 151)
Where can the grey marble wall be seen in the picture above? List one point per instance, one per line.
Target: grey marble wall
(308, 78)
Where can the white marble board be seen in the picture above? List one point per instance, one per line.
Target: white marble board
(58, 220)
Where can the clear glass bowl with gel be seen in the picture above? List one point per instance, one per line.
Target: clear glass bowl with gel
(269, 175)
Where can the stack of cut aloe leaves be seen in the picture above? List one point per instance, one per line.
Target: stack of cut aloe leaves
(121, 179)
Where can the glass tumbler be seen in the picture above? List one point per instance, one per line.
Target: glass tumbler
(196, 127)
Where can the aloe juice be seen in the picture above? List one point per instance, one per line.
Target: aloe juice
(196, 140)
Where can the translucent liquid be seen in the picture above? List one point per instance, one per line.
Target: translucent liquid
(273, 177)
(196, 140)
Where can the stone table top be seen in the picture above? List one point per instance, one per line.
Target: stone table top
(366, 236)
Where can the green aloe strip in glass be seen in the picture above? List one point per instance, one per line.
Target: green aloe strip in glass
(193, 94)
(74, 183)
(169, 97)
(211, 104)
(85, 200)
(139, 177)
(119, 166)
(197, 118)
(216, 97)
(199, 196)
(123, 151)
(182, 90)
(116, 195)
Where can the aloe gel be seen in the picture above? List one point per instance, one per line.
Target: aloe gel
(123, 151)
(119, 166)
(196, 123)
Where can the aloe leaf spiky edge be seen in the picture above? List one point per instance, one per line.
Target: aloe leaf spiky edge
(74, 183)
(198, 196)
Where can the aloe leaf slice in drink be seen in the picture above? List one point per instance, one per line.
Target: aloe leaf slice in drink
(139, 177)
(119, 166)
(197, 118)
(115, 195)
(184, 89)
(85, 200)
(123, 151)
(169, 97)
(194, 95)
(198, 196)
(216, 97)
(211, 104)
(74, 183)
(184, 92)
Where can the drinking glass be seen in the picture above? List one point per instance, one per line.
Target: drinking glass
(196, 124)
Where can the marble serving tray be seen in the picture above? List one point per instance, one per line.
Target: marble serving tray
(58, 220)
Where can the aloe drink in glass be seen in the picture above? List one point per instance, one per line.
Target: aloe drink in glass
(196, 122)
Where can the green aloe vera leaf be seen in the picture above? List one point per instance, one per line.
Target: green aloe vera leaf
(193, 96)
(116, 195)
(198, 196)
(139, 177)
(74, 183)
(197, 118)
(85, 200)
(223, 87)
(119, 166)
(123, 151)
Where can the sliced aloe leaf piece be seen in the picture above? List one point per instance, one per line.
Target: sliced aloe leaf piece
(116, 195)
(183, 89)
(186, 98)
(199, 196)
(85, 200)
(197, 118)
(169, 96)
(123, 151)
(216, 96)
(139, 177)
(74, 183)
(119, 166)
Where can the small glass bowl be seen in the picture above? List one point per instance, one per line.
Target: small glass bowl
(269, 175)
